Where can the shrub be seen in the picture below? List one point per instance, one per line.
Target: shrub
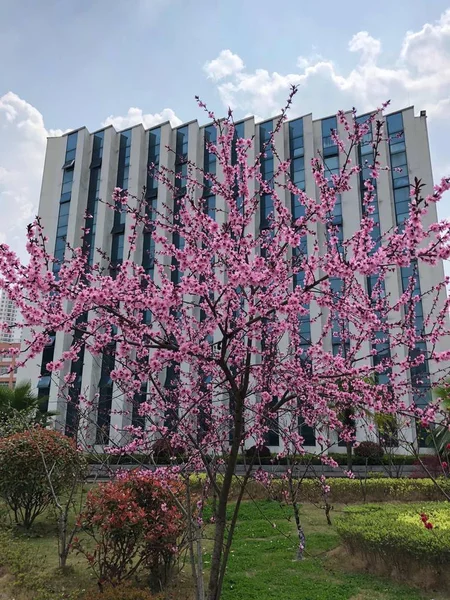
(396, 536)
(134, 521)
(429, 464)
(369, 450)
(27, 461)
(258, 452)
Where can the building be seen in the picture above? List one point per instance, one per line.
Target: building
(81, 167)
(9, 316)
(7, 365)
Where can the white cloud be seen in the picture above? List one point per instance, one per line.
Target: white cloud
(224, 65)
(135, 116)
(22, 148)
(420, 76)
(366, 44)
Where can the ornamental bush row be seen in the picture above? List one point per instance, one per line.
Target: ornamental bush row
(350, 491)
(396, 537)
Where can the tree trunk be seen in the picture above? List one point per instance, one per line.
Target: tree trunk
(300, 532)
(199, 582)
(63, 549)
(349, 457)
(214, 587)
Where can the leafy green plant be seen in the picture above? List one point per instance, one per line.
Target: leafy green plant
(407, 537)
(20, 408)
(31, 464)
(440, 436)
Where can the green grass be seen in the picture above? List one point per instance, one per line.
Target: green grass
(261, 566)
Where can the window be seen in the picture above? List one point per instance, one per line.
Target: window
(71, 147)
(117, 248)
(181, 157)
(395, 123)
(307, 432)
(209, 161)
(266, 207)
(44, 382)
(171, 416)
(296, 142)
(272, 436)
(105, 396)
(331, 165)
(124, 159)
(266, 210)
(138, 420)
(154, 145)
(329, 146)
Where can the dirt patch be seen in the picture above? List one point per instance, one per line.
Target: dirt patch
(411, 573)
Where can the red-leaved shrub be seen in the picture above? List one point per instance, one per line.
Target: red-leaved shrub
(135, 522)
(428, 464)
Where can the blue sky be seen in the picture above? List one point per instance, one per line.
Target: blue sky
(67, 64)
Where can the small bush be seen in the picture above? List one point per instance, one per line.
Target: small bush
(369, 450)
(396, 535)
(135, 522)
(429, 464)
(258, 452)
(27, 461)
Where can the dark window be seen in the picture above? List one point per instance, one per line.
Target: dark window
(105, 396)
(124, 159)
(307, 432)
(137, 419)
(395, 123)
(154, 145)
(272, 436)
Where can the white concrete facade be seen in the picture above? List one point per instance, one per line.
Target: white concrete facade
(419, 165)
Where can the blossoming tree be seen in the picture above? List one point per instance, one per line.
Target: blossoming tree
(212, 342)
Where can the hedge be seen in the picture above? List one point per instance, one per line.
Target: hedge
(347, 491)
(396, 536)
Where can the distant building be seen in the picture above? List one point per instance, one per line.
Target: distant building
(7, 365)
(83, 167)
(8, 314)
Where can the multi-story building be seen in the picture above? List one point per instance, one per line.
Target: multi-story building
(7, 364)
(8, 316)
(81, 167)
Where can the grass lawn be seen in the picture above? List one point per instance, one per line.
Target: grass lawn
(261, 565)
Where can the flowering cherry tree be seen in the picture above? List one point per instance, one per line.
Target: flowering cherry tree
(214, 336)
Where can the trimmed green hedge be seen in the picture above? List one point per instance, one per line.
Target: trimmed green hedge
(348, 491)
(396, 535)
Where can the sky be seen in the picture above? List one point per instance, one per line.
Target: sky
(67, 64)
